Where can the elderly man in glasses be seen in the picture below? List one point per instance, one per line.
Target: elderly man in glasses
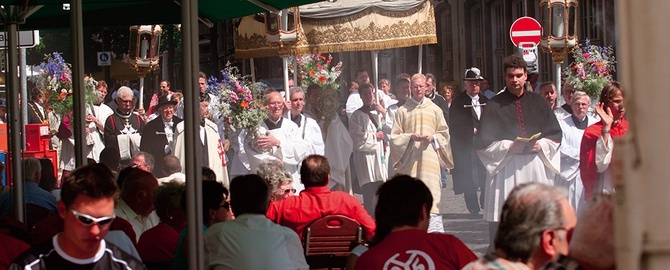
(123, 129)
(87, 208)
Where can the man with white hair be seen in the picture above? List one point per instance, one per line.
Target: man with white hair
(573, 130)
(123, 129)
(533, 229)
(279, 139)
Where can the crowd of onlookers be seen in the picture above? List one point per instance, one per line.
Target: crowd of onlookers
(534, 167)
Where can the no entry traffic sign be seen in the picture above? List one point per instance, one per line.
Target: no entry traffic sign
(525, 30)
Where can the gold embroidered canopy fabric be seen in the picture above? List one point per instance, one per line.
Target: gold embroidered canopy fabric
(376, 26)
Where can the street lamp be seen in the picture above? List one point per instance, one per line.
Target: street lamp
(144, 51)
(281, 32)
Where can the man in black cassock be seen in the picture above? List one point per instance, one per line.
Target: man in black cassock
(123, 129)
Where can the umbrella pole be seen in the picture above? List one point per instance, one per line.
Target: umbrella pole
(14, 119)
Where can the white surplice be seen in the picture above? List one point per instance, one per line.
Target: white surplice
(102, 112)
(338, 146)
(369, 152)
(311, 132)
(506, 171)
(570, 177)
(215, 153)
(292, 150)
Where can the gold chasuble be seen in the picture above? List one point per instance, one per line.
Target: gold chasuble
(421, 159)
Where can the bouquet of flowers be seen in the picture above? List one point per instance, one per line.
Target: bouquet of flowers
(240, 105)
(55, 82)
(591, 70)
(316, 69)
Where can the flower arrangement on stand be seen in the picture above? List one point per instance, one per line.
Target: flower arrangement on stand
(316, 69)
(591, 69)
(240, 103)
(55, 82)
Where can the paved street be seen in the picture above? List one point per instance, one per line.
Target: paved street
(471, 229)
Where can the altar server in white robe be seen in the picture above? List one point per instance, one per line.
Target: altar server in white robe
(212, 154)
(95, 122)
(338, 144)
(309, 130)
(365, 128)
(573, 130)
(278, 138)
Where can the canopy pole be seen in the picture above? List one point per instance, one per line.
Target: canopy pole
(375, 68)
(420, 67)
(141, 98)
(14, 119)
(295, 72)
(194, 219)
(253, 70)
(558, 81)
(79, 94)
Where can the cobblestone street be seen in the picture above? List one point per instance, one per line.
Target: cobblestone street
(471, 229)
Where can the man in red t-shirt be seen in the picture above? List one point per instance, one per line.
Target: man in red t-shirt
(316, 201)
(402, 240)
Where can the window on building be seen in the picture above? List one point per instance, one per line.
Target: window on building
(591, 20)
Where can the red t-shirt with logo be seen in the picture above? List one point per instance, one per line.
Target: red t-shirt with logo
(417, 249)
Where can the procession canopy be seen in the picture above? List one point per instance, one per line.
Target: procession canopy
(345, 25)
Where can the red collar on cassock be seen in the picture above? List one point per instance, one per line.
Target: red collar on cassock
(587, 156)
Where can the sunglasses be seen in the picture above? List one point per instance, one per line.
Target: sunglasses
(88, 220)
(225, 205)
(290, 191)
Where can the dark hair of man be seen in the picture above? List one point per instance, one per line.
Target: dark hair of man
(213, 194)
(110, 156)
(609, 91)
(249, 194)
(123, 174)
(168, 82)
(392, 211)
(208, 174)
(94, 180)
(202, 75)
(313, 87)
(514, 61)
(168, 197)
(35, 92)
(365, 86)
(314, 171)
(171, 164)
(359, 71)
(431, 77)
(403, 76)
(530, 209)
(137, 180)
(47, 177)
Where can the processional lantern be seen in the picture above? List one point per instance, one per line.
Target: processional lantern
(144, 51)
(559, 24)
(281, 29)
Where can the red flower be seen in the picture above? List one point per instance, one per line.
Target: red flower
(322, 79)
(244, 104)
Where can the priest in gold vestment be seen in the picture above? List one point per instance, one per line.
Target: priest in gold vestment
(420, 144)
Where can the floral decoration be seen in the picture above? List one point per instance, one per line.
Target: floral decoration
(316, 69)
(591, 70)
(55, 82)
(240, 102)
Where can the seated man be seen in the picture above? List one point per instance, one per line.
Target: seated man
(533, 229)
(317, 201)
(172, 170)
(592, 242)
(136, 204)
(402, 236)
(252, 241)
(87, 208)
(34, 194)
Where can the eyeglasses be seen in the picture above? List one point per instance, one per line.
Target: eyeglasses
(225, 205)
(125, 101)
(87, 220)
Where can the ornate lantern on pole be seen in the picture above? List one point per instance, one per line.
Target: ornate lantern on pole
(144, 51)
(281, 32)
(559, 24)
